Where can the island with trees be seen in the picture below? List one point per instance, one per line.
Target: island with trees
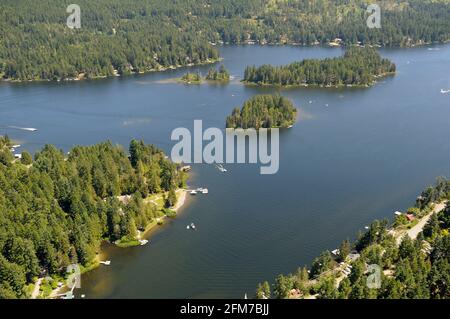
(357, 67)
(263, 111)
(192, 78)
(56, 210)
(220, 75)
(214, 75)
(412, 257)
(119, 37)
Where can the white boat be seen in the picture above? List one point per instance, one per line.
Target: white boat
(221, 168)
(398, 213)
(106, 263)
(205, 191)
(445, 91)
(16, 146)
(193, 226)
(193, 192)
(143, 242)
(188, 227)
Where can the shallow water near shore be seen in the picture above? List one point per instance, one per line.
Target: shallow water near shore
(355, 155)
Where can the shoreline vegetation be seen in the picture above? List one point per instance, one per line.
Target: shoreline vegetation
(263, 111)
(125, 36)
(57, 209)
(412, 254)
(358, 67)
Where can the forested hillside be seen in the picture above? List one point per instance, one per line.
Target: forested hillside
(124, 36)
(358, 66)
(56, 210)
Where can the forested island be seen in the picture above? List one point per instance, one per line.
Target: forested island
(57, 209)
(414, 260)
(214, 75)
(263, 111)
(119, 37)
(358, 67)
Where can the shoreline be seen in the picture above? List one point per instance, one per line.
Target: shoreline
(102, 255)
(207, 62)
(181, 201)
(81, 76)
(145, 234)
(398, 233)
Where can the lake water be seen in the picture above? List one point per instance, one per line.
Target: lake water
(354, 156)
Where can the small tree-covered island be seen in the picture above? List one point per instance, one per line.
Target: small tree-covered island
(408, 260)
(263, 111)
(358, 67)
(56, 210)
(220, 75)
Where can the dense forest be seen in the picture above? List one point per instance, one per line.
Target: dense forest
(56, 209)
(410, 269)
(125, 36)
(358, 66)
(192, 78)
(263, 111)
(214, 75)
